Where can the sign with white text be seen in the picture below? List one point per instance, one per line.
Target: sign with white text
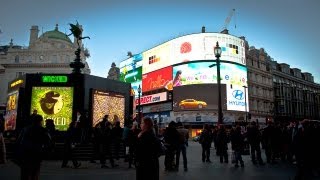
(154, 98)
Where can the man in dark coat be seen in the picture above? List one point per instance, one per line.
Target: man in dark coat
(205, 141)
(254, 139)
(31, 145)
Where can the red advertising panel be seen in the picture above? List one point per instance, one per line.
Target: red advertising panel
(157, 80)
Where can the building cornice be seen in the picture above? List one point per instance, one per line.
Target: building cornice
(42, 65)
(300, 80)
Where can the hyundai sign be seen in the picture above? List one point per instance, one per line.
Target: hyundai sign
(237, 98)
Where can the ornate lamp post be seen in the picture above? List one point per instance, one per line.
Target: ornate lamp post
(217, 53)
(139, 92)
(245, 102)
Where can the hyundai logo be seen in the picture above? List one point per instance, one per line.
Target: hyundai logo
(238, 94)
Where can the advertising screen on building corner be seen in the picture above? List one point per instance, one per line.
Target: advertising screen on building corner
(200, 73)
(157, 79)
(54, 103)
(194, 47)
(198, 97)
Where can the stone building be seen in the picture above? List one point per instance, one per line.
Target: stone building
(260, 87)
(296, 94)
(50, 52)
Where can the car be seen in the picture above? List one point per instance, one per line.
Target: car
(192, 104)
(196, 138)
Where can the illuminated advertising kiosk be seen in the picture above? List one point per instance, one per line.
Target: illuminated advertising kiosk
(14, 101)
(60, 96)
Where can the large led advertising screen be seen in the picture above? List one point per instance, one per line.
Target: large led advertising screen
(193, 47)
(11, 111)
(131, 63)
(107, 103)
(54, 103)
(157, 58)
(135, 87)
(200, 73)
(198, 97)
(132, 75)
(158, 79)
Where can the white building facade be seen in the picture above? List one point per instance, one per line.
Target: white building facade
(50, 52)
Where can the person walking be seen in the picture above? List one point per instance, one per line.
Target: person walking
(171, 139)
(31, 145)
(103, 130)
(69, 146)
(3, 158)
(205, 140)
(222, 144)
(132, 143)
(147, 152)
(237, 143)
(254, 139)
(182, 148)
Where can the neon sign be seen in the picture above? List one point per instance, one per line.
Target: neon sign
(15, 83)
(54, 79)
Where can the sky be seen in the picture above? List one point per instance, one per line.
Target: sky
(288, 30)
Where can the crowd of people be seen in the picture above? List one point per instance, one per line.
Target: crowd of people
(293, 142)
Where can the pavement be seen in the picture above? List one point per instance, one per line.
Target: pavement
(197, 170)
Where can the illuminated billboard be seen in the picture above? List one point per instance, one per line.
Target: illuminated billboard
(135, 86)
(11, 111)
(193, 73)
(157, 58)
(107, 103)
(157, 80)
(54, 103)
(198, 97)
(153, 98)
(237, 98)
(132, 63)
(200, 73)
(193, 47)
(132, 75)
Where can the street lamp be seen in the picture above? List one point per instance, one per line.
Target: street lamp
(217, 53)
(245, 101)
(139, 92)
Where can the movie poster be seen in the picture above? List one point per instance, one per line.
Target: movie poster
(53, 103)
(11, 113)
(107, 103)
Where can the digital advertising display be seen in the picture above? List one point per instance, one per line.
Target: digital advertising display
(237, 98)
(135, 86)
(131, 63)
(153, 98)
(198, 97)
(200, 73)
(54, 103)
(133, 75)
(194, 73)
(157, 80)
(157, 58)
(194, 47)
(107, 103)
(11, 111)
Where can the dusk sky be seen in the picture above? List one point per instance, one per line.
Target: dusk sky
(288, 30)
